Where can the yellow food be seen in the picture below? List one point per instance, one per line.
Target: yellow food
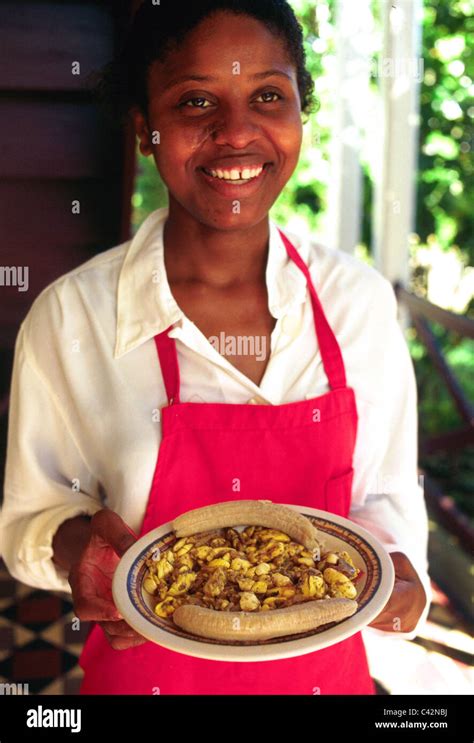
(258, 571)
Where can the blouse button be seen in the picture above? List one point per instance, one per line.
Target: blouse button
(257, 401)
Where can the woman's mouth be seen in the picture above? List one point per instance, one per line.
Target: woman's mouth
(238, 175)
(237, 180)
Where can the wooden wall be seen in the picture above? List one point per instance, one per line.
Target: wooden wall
(56, 147)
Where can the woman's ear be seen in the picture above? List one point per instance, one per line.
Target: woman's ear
(142, 130)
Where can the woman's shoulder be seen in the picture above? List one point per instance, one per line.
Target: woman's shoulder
(90, 286)
(336, 272)
(93, 283)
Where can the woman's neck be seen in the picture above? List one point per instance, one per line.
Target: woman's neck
(194, 252)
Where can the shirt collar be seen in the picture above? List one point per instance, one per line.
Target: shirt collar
(145, 303)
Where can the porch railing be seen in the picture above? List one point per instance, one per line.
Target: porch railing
(422, 312)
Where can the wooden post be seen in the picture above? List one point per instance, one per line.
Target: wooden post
(129, 145)
(353, 21)
(400, 71)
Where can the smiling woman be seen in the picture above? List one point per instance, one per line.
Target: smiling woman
(222, 119)
(217, 92)
(217, 96)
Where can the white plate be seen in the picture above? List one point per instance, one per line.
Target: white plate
(373, 591)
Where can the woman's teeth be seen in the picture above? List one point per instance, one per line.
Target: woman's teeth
(237, 176)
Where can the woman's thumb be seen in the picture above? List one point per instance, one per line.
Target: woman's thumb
(112, 529)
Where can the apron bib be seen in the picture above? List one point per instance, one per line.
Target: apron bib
(298, 453)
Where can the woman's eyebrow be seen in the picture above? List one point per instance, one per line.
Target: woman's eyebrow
(271, 73)
(186, 78)
(210, 78)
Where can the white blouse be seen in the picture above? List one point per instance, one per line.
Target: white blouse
(86, 390)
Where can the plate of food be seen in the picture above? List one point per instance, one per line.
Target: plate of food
(253, 580)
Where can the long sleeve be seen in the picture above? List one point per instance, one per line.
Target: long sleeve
(46, 478)
(394, 508)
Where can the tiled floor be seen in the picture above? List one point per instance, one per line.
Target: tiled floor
(41, 640)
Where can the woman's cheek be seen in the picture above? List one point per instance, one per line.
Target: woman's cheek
(291, 140)
(176, 150)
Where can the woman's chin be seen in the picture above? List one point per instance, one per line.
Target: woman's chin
(220, 214)
(229, 222)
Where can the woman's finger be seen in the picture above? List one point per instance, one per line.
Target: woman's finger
(396, 614)
(119, 628)
(121, 642)
(403, 567)
(113, 530)
(96, 610)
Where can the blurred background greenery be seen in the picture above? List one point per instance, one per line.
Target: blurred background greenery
(442, 246)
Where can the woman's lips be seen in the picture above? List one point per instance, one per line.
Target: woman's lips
(232, 188)
(246, 172)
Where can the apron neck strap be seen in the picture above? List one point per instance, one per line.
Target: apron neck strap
(168, 356)
(328, 345)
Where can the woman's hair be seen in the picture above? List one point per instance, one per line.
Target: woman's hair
(157, 29)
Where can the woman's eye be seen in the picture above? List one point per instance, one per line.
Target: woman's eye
(199, 101)
(270, 93)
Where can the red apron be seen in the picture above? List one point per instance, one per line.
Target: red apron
(297, 453)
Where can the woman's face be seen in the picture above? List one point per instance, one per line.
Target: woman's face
(242, 114)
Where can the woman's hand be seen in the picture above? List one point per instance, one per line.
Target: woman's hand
(91, 576)
(408, 599)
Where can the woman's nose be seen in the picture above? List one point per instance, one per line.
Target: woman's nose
(235, 128)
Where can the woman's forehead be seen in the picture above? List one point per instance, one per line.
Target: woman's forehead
(238, 43)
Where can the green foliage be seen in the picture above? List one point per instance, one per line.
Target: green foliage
(446, 167)
(438, 413)
(150, 191)
(306, 192)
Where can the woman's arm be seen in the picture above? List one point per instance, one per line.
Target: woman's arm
(393, 506)
(48, 485)
(70, 541)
